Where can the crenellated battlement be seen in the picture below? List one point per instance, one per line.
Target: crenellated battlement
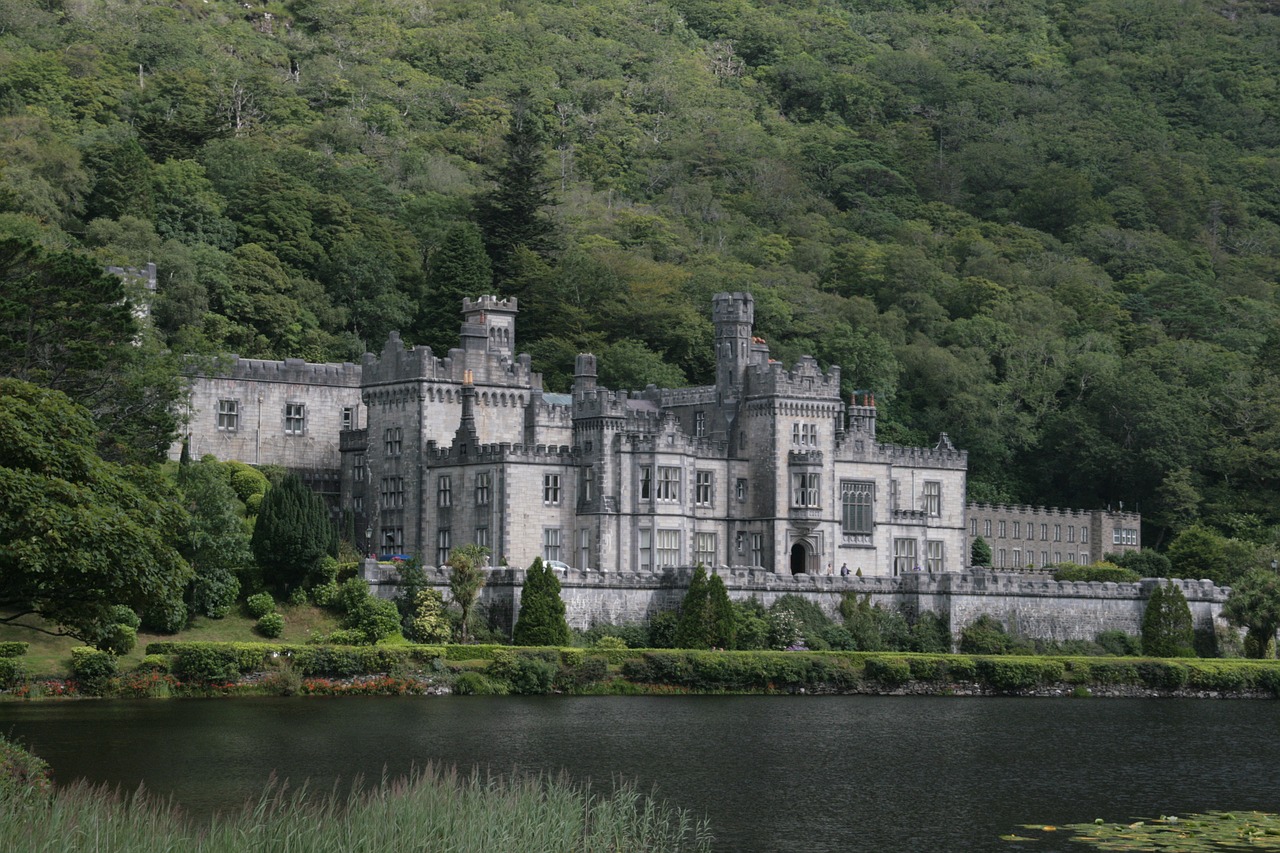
(561, 454)
(398, 364)
(671, 398)
(919, 457)
(294, 371)
(1050, 512)
(805, 379)
(509, 305)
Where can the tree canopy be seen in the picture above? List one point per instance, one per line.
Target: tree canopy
(79, 535)
(541, 621)
(292, 534)
(1050, 230)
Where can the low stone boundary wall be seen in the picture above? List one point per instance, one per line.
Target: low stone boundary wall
(1029, 605)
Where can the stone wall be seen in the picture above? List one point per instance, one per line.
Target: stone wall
(1028, 605)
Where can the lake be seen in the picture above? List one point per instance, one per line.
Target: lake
(816, 773)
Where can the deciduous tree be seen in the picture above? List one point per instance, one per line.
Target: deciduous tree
(466, 579)
(78, 535)
(1254, 604)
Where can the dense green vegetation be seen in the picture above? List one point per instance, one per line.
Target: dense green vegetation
(1048, 228)
(433, 808)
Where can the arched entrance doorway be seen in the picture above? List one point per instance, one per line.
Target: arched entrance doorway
(799, 559)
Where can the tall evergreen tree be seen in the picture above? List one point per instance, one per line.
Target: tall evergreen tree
(980, 552)
(721, 617)
(1167, 628)
(693, 630)
(216, 544)
(459, 269)
(292, 534)
(541, 621)
(512, 214)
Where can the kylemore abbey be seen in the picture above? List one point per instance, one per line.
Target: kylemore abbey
(768, 469)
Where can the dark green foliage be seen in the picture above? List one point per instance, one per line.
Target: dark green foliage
(67, 325)
(1018, 673)
(752, 625)
(891, 672)
(872, 628)
(541, 621)
(1167, 627)
(1100, 573)
(270, 625)
(524, 672)
(12, 673)
(980, 553)
(694, 630)
(204, 664)
(13, 649)
(1119, 643)
(984, 636)
(292, 534)
(168, 617)
(23, 776)
(1254, 604)
(512, 214)
(930, 633)
(662, 630)
(1146, 563)
(62, 508)
(260, 604)
(93, 670)
(797, 620)
(216, 544)
(374, 618)
(634, 634)
(459, 270)
(477, 684)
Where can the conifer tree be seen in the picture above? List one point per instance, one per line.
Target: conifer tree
(693, 630)
(292, 533)
(1167, 628)
(459, 269)
(541, 621)
(512, 214)
(980, 552)
(721, 616)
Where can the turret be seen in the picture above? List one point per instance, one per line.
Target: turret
(733, 315)
(490, 323)
(584, 373)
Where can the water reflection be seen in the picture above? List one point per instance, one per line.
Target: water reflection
(773, 773)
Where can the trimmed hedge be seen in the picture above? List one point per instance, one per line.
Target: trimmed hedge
(13, 650)
(13, 673)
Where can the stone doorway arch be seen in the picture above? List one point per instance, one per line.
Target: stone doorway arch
(800, 559)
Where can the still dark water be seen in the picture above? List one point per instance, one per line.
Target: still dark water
(847, 773)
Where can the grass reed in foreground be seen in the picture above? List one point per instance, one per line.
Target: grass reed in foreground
(433, 809)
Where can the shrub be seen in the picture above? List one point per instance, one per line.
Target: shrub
(298, 597)
(430, 622)
(984, 636)
(325, 594)
(167, 618)
(891, 672)
(153, 663)
(662, 630)
(14, 650)
(1163, 674)
(118, 639)
(526, 673)
(634, 635)
(609, 644)
(1097, 573)
(931, 633)
(375, 618)
(476, 684)
(13, 672)
(23, 776)
(1167, 628)
(123, 615)
(202, 664)
(541, 621)
(1119, 643)
(271, 625)
(585, 671)
(260, 604)
(93, 670)
(1018, 673)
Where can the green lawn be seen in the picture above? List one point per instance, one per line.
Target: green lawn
(51, 656)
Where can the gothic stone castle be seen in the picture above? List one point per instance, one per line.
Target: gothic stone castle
(766, 468)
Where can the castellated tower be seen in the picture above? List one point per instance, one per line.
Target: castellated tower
(493, 319)
(733, 315)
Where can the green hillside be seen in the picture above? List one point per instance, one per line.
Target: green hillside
(1051, 229)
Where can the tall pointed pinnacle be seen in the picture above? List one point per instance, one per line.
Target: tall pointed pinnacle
(466, 438)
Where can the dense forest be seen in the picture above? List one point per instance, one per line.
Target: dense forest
(1051, 229)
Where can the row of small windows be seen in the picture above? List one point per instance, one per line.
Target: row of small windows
(906, 556)
(661, 548)
(481, 489)
(1017, 558)
(1029, 528)
(227, 417)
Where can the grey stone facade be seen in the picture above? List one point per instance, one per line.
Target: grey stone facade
(1036, 537)
(767, 469)
(1027, 605)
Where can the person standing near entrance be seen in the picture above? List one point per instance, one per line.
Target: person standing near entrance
(844, 570)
